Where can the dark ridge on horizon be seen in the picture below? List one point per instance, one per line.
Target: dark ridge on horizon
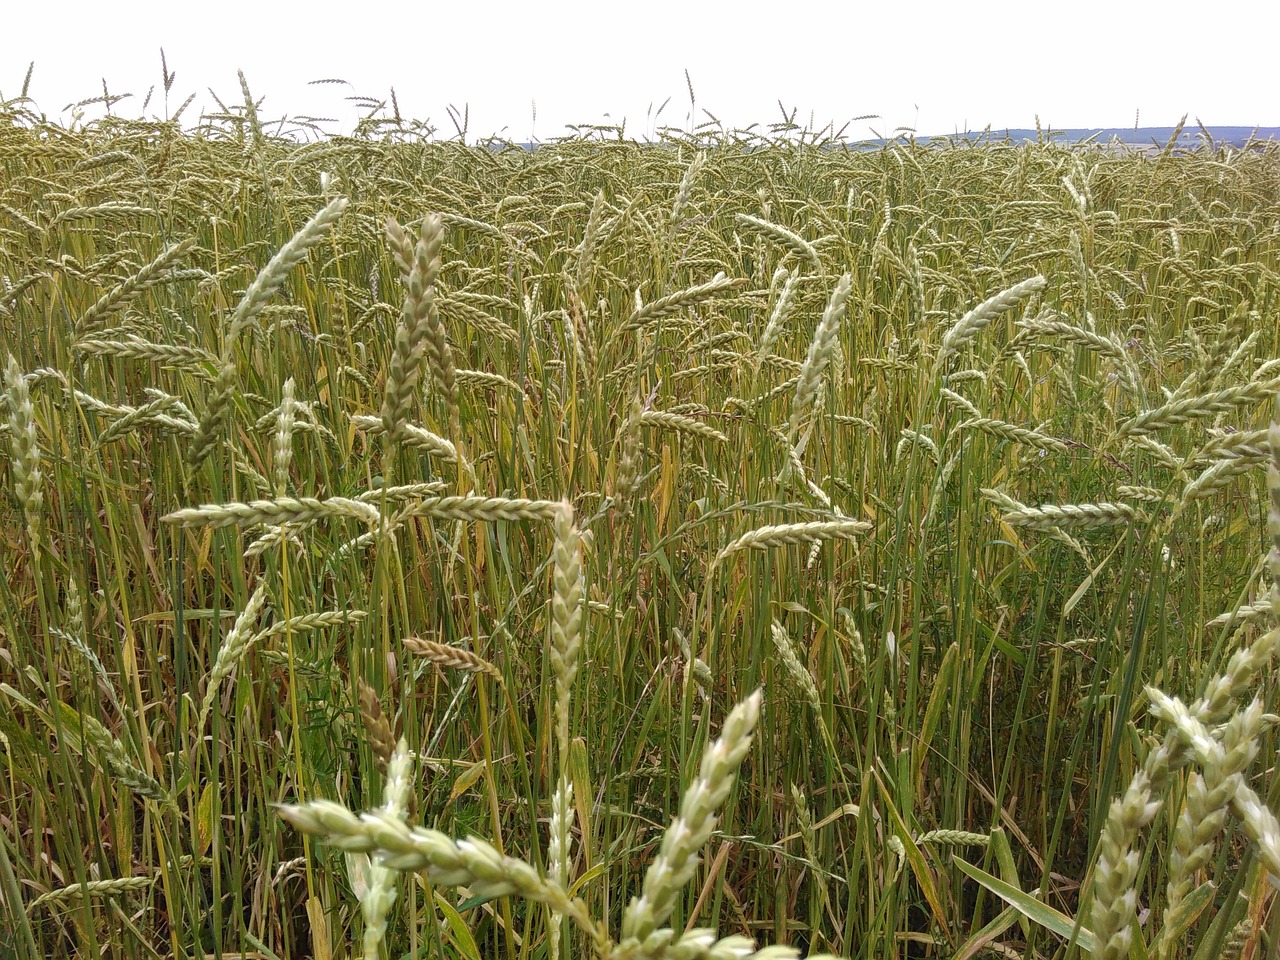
(1236, 136)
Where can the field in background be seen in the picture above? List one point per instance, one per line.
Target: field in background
(639, 329)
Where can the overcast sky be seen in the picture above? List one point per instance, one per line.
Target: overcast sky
(937, 67)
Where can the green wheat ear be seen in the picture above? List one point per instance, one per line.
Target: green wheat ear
(677, 858)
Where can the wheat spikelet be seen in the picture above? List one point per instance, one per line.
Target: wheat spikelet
(133, 419)
(489, 509)
(566, 621)
(396, 494)
(116, 755)
(1217, 476)
(796, 670)
(1208, 798)
(380, 893)
(471, 863)
(304, 622)
(956, 400)
(691, 174)
(462, 310)
(255, 298)
(1089, 339)
(777, 318)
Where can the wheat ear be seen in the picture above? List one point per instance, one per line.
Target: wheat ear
(263, 287)
(28, 480)
(420, 331)
(677, 858)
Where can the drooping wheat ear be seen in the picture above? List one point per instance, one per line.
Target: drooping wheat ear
(1015, 434)
(796, 670)
(420, 331)
(1257, 610)
(278, 511)
(779, 234)
(763, 538)
(957, 400)
(263, 287)
(376, 726)
(1219, 474)
(487, 509)
(677, 858)
(28, 480)
(1051, 325)
(119, 295)
(380, 895)
(115, 753)
(821, 349)
(134, 419)
(1184, 409)
(303, 622)
(282, 450)
(411, 435)
(93, 888)
(1074, 515)
(681, 424)
(470, 863)
(455, 658)
(673, 303)
(977, 319)
(234, 647)
(132, 347)
(691, 174)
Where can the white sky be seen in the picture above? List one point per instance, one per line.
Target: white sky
(935, 66)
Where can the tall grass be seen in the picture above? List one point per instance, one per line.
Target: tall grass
(481, 489)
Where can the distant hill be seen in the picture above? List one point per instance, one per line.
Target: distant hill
(1189, 137)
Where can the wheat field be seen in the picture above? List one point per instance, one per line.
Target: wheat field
(729, 545)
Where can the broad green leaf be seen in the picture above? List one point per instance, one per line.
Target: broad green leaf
(459, 933)
(1030, 907)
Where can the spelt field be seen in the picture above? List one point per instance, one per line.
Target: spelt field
(741, 539)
